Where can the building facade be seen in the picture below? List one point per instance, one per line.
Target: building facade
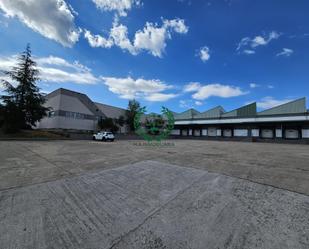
(71, 110)
(287, 121)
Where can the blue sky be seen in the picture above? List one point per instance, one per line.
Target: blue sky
(178, 53)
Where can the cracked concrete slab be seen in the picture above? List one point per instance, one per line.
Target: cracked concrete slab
(152, 205)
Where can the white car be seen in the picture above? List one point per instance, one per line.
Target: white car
(104, 136)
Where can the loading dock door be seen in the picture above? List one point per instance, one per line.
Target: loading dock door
(184, 132)
(212, 132)
(291, 134)
(227, 133)
(267, 133)
(197, 133)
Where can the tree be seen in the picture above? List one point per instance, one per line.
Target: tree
(107, 124)
(120, 121)
(131, 111)
(23, 104)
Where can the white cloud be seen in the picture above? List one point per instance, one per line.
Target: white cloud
(129, 88)
(204, 53)
(198, 103)
(270, 87)
(285, 52)
(192, 87)
(97, 40)
(254, 85)
(248, 51)
(247, 44)
(151, 38)
(178, 25)
(159, 97)
(121, 6)
(55, 69)
(185, 103)
(205, 91)
(269, 102)
(54, 19)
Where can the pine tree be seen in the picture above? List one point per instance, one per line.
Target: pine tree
(23, 104)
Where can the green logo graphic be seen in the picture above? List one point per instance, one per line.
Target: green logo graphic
(154, 127)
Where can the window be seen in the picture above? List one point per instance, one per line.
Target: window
(51, 114)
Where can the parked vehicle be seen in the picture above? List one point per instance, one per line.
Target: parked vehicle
(104, 136)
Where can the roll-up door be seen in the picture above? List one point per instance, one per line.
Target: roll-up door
(240, 132)
(175, 132)
(212, 132)
(184, 132)
(197, 133)
(227, 132)
(305, 133)
(255, 132)
(291, 133)
(267, 133)
(204, 132)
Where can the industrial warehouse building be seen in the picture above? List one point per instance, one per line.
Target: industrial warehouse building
(287, 121)
(76, 111)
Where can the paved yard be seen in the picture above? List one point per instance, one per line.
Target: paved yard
(94, 195)
(281, 165)
(153, 205)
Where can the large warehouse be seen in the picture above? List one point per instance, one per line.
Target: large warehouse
(76, 111)
(287, 121)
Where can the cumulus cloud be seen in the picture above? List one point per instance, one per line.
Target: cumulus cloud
(269, 102)
(202, 92)
(151, 38)
(121, 6)
(286, 52)
(97, 40)
(198, 103)
(56, 70)
(204, 54)
(54, 19)
(248, 45)
(129, 88)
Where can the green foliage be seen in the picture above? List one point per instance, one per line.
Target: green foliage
(108, 124)
(120, 121)
(23, 103)
(156, 129)
(132, 110)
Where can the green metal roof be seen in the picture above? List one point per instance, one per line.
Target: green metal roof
(244, 111)
(189, 114)
(212, 113)
(295, 106)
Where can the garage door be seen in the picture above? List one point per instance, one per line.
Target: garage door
(212, 132)
(204, 132)
(197, 133)
(267, 133)
(291, 133)
(227, 133)
(240, 132)
(305, 133)
(184, 133)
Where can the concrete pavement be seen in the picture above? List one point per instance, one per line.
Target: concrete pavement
(152, 205)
